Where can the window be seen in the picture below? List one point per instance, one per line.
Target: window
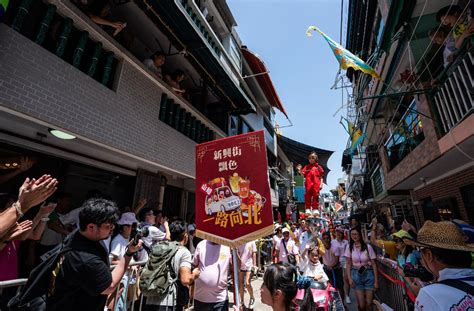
(406, 136)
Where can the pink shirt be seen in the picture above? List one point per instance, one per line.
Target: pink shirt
(331, 256)
(276, 240)
(342, 247)
(290, 247)
(359, 258)
(340, 244)
(213, 262)
(246, 252)
(9, 261)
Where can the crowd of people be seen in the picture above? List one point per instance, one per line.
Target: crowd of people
(96, 244)
(434, 263)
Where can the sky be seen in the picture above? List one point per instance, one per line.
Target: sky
(302, 68)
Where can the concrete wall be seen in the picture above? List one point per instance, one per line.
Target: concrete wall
(35, 82)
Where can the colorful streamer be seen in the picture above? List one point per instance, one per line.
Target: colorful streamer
(345, 58)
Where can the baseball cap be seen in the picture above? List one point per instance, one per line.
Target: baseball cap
(127, 219)
(191, 227)
(402, 234)
(285, 230)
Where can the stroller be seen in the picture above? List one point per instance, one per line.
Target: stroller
(325, 297)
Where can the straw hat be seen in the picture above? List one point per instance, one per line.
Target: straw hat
(443, 234)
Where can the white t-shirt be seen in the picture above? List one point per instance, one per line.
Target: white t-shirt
(310, 269)
(154, 235)
(291, 248)
(246, 252)
(118, 247)
(440, 297)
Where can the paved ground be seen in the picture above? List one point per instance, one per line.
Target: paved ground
(259, 306)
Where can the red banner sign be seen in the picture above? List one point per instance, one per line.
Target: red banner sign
(233, 203)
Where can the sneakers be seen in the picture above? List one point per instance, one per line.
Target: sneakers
(252, 303)
(348, 300)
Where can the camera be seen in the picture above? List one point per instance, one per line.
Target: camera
(138, 233)
(417, 272)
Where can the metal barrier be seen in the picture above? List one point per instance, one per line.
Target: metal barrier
(19, 283)
(127, 287)
(389, 292)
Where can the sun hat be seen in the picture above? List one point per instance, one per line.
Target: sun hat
(127, 219)
(402, 234)
(442, 234)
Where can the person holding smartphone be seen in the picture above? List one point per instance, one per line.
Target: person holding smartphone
(361, 269)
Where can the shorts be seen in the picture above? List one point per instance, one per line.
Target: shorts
(211, 306)
(243, 270)
(364, 281)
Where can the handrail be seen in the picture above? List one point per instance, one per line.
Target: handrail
(82, 22)
(12, 283)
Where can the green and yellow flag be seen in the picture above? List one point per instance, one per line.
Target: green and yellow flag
(345, 58)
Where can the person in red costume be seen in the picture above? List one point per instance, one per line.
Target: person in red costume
(313, 174)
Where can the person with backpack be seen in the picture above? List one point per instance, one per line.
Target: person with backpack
(447, 256)
(213, 261)
(172, 292)
(76, 275)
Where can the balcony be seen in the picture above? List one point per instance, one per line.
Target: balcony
(454, 98)
(406, 136)
(190, 31)
(78, 42)
(41, 24)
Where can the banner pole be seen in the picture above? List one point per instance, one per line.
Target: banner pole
(236, 279)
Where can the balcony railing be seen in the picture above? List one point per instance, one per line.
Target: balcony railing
(177, 117)
(407, 135)
(40, 22)
(80, 45)
(454, 99)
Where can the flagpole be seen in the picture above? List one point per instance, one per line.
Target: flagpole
(236, 279)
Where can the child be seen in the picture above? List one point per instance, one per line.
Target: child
(313, 174)
(310, 265)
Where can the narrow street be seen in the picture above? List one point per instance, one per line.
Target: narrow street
(149, 145)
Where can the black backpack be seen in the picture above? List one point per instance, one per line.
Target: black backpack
(40, 284)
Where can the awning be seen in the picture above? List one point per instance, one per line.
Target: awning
(187, 32)
(263, 77)
(298, 153)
